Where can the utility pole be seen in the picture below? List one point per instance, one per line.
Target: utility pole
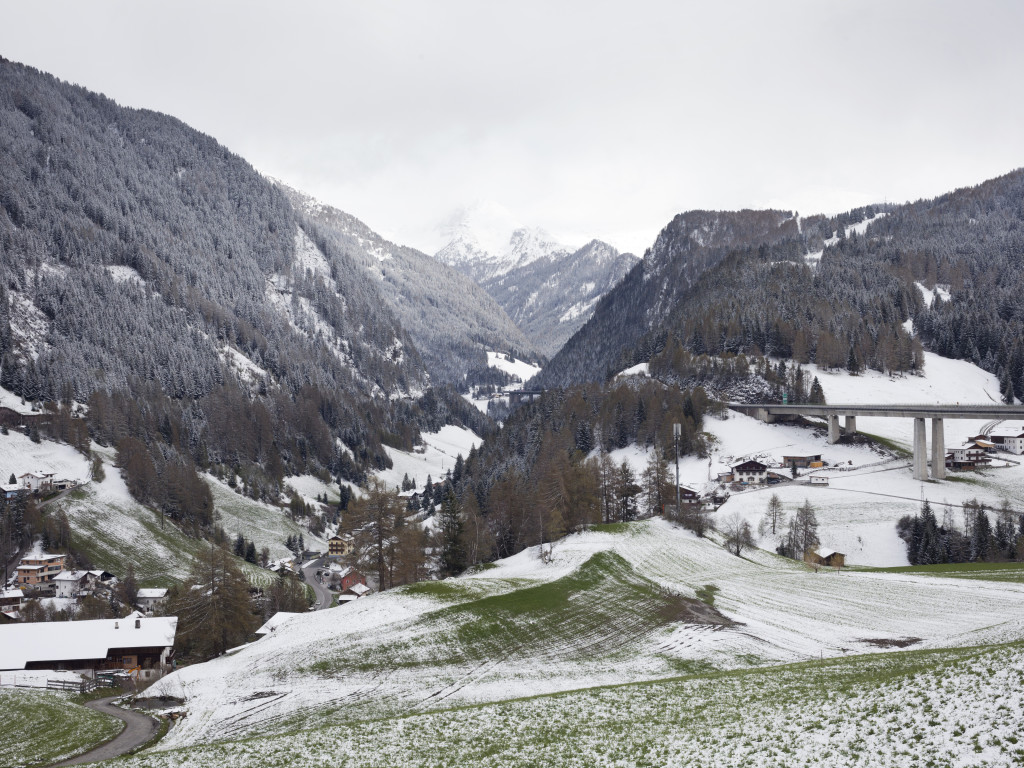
(676, 431)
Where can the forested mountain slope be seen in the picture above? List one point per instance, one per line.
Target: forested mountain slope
(148, 271)
(450, 318)
(971, 242)
(692, 243)
(553, 296)
(837, 291)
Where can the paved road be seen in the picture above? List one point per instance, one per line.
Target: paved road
(324, 596)
(138, 730)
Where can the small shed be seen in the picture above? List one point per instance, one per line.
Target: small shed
(819, 480)
(827, 557)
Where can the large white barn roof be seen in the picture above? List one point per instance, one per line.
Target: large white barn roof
(45, 641)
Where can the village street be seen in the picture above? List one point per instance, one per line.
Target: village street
(324, 597)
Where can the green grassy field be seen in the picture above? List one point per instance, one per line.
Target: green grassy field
(598, 610)
(1012, 572)
(41, 727)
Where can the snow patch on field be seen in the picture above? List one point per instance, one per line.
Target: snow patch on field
(944, 381)
(264, 524)
(10, 400)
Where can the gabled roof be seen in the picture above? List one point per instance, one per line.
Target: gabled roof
(45, 641)
(750, 466)
(70, 575)
(359, 589)
(153, 594)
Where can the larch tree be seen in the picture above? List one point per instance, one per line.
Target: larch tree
(212, 605)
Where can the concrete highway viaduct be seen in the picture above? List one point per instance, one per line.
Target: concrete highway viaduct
(771, 413)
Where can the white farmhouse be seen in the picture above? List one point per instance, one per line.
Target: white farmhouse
(1010, 440)
(149, 599)
(71, 583)
(750, 472)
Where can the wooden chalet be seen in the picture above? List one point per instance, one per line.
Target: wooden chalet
(88, 647)
(750, 473)
(828, 558)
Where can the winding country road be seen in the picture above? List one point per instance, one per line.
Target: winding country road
(324, 597)
(138, 730)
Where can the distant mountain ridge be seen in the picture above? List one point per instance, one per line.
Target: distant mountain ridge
(551, 297)
(470, 256)
(691, 244)
(451, 319)
(547, 288)
(842, 291)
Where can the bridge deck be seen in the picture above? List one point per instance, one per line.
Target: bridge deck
(908, 410)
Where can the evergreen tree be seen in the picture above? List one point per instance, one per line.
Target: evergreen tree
(451, 530)
(817, 395)
(626, 492)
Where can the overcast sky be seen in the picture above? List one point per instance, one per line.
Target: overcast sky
(591, 119)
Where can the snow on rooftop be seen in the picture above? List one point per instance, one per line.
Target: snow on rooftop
(153, 593)
(21, 644)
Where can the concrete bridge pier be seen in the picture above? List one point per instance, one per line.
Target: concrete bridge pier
(920, 450)
(851, 425)
(938, 450)
(833, 430)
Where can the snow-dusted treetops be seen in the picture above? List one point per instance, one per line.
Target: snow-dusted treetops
(216, 318)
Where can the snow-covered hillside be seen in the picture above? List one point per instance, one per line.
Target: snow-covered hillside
(438, 455)
(869, 489)
(600, 608)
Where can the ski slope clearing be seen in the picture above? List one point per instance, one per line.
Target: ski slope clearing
(625, 604)
(951, 709)
(436, 456)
